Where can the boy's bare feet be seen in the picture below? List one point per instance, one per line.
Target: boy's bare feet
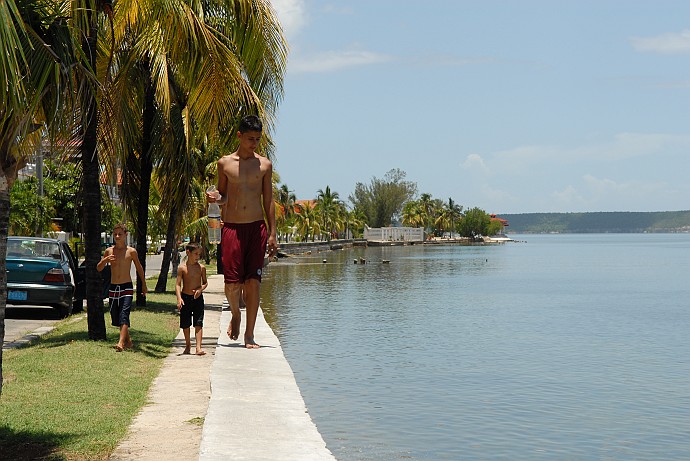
(186, 351)
(234, 328)
(119, 348)
(129, 344)
(201, 352)
(249, 343)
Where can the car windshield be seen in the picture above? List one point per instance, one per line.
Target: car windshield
(32, 249)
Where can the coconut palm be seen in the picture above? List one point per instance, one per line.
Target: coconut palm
(37, 62)
(452, 213)
(328, 209)
(413, 214)
(285, 207)
(355, 221)
(307, 222)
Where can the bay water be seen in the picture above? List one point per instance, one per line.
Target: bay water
(568, 347)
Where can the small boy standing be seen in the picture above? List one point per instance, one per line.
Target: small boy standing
(191, 282)
(121, 291)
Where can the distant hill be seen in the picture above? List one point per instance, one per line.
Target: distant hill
(598, 222)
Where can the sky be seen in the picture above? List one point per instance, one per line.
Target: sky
(517, 106)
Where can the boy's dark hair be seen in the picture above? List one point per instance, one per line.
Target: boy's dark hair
(250, 123)
(192, 246)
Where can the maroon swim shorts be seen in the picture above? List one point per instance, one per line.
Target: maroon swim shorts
(243, 247)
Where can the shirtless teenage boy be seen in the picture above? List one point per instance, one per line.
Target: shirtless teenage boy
(245, 192)
(120, 257)
(191, 282)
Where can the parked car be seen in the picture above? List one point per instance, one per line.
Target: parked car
(156, 247)
(44, 272)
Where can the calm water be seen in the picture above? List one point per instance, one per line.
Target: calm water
(563, 347)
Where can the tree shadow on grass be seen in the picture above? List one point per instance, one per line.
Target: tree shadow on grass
(144, 342)
(29, 446)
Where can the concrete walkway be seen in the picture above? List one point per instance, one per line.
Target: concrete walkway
(233, 403)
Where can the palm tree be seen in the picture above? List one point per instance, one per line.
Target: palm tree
(36, 66)
(452, 212)
(307, 222)
(285, 207)
(413, 214)
(85, 24)
(328, 210)
(355, 221)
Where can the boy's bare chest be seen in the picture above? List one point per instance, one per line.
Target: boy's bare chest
(194, 271)
(244, 171)
(122, 255)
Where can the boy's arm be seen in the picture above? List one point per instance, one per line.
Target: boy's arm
(140, 271)
(204, 280)
(178, 286)
(107, 257)
(270, 210)
(222, 184)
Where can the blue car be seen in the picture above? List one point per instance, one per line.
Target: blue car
(44, 272)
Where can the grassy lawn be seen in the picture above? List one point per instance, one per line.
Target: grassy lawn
(65, 397)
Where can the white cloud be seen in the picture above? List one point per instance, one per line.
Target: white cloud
(569, 198)
(671, 43)
(621, 147)
(475, 162)
(292, 15)
(603, 185)
(335, 60)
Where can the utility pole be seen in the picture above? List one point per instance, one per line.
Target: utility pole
(39, 175)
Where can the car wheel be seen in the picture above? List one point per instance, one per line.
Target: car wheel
(64, 311)
(78, 305)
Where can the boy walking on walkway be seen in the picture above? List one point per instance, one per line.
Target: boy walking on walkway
(245, 192)
(120, 257)
(191, 282)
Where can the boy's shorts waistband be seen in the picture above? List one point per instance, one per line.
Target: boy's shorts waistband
(234, 225)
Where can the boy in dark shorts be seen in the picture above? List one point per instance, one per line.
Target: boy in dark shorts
(120, 257)
(191, 282)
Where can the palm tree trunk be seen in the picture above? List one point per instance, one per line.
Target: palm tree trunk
(92, 200)
(146, 171)
(161, 285)
(4, 223)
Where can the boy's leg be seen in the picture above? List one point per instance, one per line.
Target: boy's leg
(199, 333)
(128, 338)
(124, 340)
(232, 292)
(187, 341)
(251, 297)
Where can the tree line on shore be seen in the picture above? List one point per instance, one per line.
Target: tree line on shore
(599, 222)
(389, 201)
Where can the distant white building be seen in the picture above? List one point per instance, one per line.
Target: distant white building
(394, 234)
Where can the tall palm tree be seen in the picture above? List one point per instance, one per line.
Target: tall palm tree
(307, 222)
(37, 61)
(285, 207)
(84, 28)
(328, 210)
(413, 214)
(355, 221)
(452, 212)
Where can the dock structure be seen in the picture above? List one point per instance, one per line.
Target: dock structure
(380, 236)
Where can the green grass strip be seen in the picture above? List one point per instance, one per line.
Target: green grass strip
(65, 397)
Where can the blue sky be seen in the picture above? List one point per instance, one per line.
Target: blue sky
(510, 106)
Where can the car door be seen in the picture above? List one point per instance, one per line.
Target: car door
(78, 273)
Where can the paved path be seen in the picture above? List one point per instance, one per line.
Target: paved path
(247, 400)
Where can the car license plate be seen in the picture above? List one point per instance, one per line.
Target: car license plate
(14, 295)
